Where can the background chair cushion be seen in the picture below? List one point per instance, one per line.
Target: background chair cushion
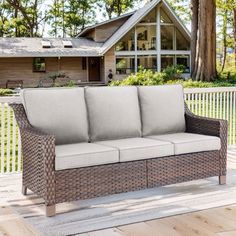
(140, 148)
(190, 143)
(162, 109)
(113, 112)
(84, 154)
(61, 112)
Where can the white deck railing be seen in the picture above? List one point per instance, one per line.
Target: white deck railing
(210, 102)
(216, 103)
(10, 145)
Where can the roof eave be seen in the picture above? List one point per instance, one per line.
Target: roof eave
(44, 55)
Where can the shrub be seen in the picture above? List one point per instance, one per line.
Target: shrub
(199, 84)
(171, 75)
(6, 92)
(71, 83)
(142, 77)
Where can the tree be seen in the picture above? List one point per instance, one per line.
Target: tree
(203, 39)
(69, 17)
(182, 9)
(5, 13)
(27, 17)
(78, 14)
(226, 38)
(234, 12)
(117, 7)
(55, 18)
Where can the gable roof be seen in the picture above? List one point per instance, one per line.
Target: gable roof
(88, 28)
(82, 47)
(32, 47)
(137, 17)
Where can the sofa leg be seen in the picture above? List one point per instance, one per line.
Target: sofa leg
(24, 190)
(222, 179)
(50, 210)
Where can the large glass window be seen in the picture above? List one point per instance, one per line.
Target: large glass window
(166, 60)
(181, 42)
(167, 36)
(164, 17)
(126, 43)
(147, 62)
(150, 18)
(125, 65)
(184, 60)
(146, 37)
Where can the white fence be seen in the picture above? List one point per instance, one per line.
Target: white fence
(216, 103)
(10, 152)
(210, 102)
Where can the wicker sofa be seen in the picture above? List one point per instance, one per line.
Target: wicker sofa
(83, 143)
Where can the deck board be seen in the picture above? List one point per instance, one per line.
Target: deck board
(220, 221)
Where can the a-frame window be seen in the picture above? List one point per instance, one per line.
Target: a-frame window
(152, 46)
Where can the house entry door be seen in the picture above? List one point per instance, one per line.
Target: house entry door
(94, 68)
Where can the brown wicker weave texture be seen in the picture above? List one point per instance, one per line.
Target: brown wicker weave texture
(40, 176)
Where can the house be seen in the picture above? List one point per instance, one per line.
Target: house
(152, 37)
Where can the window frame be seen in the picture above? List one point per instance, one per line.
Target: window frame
(35, 70)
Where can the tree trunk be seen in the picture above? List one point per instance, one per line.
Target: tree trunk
(224, 32)
(194, 30)
(235, 36)
(204, 40)
(16, 27)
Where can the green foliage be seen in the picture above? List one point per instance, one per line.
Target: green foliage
(143, 77)
(182, 9)
(69, 17)
(171, 75)
(22, 18)
(173, 72)
(199, 84)
(149, 77)
(116, 8)
(52, 79)
(225, 25)
(71, 83)
(56, 75)
(6, 92)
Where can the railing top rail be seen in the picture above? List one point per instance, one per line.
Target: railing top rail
(10, 99)
(209, 90)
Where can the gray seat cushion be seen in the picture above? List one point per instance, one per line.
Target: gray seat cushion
(140, 148)
(113, 112)
(190, 143)
(61, 112)
(162, 109)
(84, 154)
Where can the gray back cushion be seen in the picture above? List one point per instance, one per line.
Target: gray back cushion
(113, 112)
(162, 109)
(61, 112)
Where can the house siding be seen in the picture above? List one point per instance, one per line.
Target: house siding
(110, 63)
(104, 32)
(22, 69)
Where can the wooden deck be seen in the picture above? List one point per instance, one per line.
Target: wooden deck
(219, 221)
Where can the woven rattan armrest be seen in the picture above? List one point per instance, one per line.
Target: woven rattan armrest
(209, 126)
(205, 125)
(38, 157)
